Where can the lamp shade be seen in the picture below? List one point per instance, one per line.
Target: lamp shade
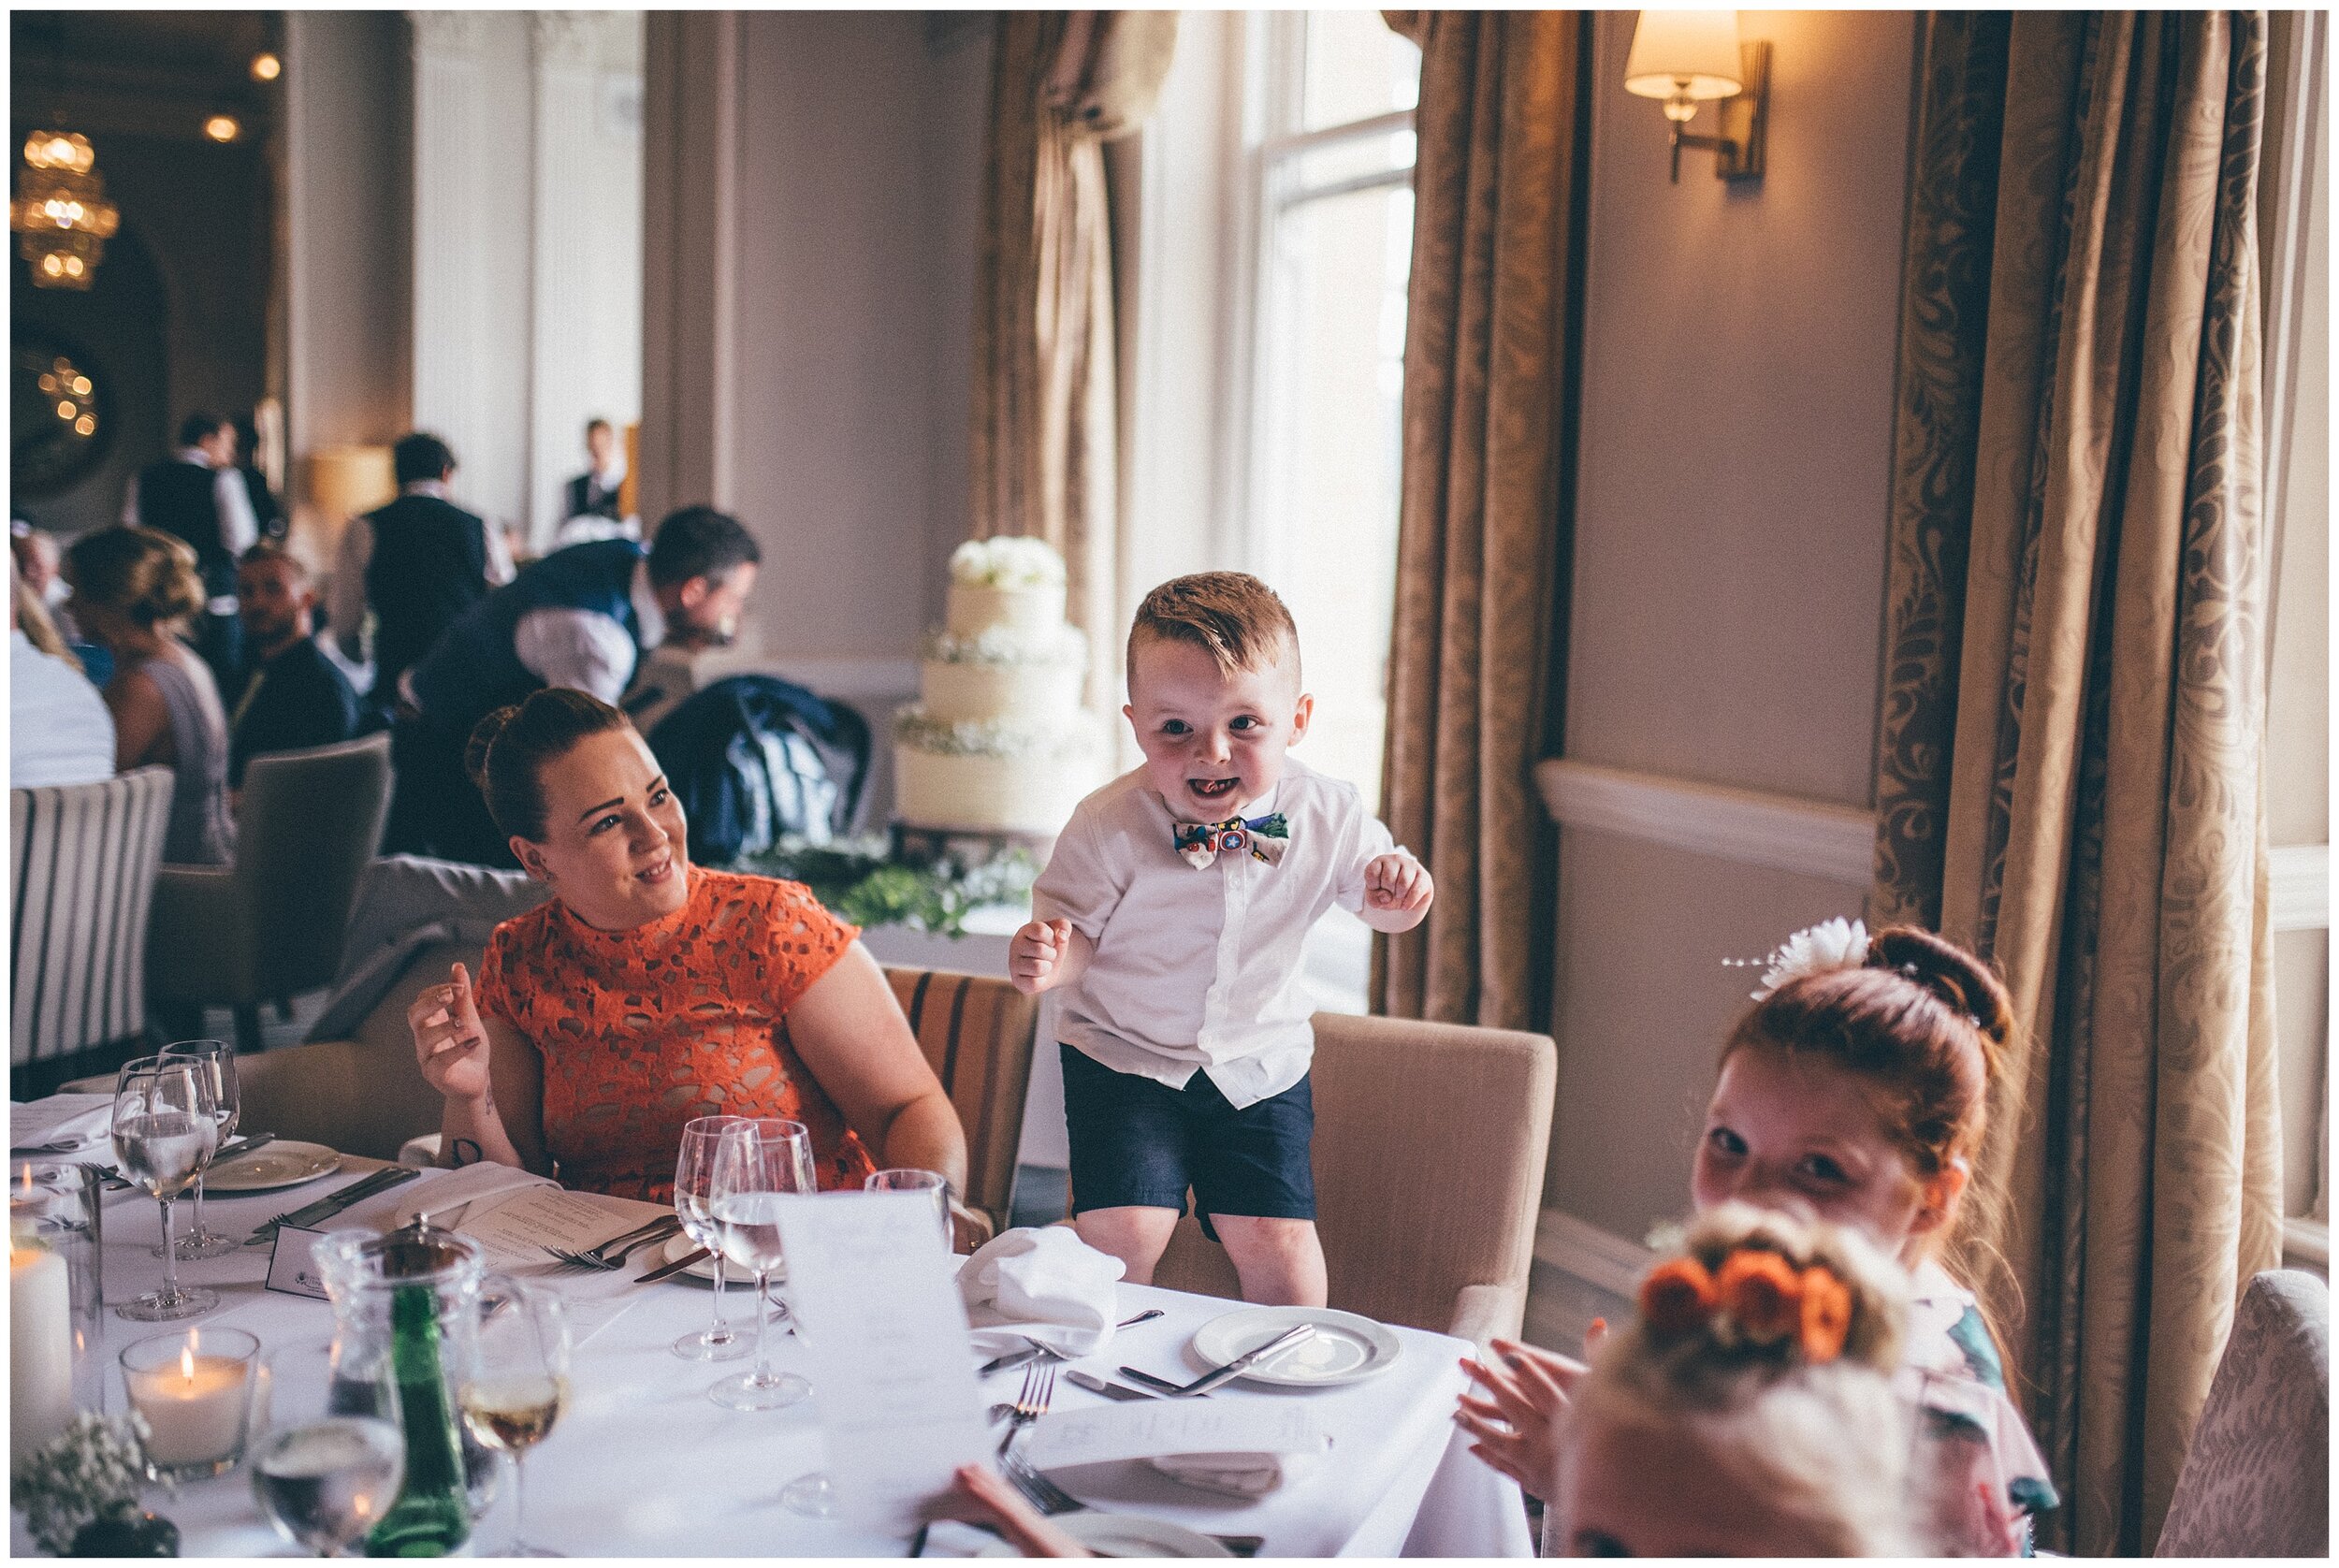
(1696, 48)
(344, 481)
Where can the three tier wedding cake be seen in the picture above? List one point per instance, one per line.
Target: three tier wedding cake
(998, 742)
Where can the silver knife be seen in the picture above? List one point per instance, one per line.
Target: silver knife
(1018, 1358)
(334, 1202)
(1108, 1389)
(1245, 1361)
(669, 1271)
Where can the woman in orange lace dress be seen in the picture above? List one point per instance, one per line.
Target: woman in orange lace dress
(648, 991)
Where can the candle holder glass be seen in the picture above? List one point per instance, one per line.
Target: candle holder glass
(197, 1390)
(60, 1204)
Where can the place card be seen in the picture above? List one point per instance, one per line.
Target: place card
(292, 1264)
(875, 1293)
(1158, 1428)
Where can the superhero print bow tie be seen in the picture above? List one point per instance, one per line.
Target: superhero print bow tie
(1201, 843)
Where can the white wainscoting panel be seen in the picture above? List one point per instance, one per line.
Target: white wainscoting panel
(1812, 838)
(2298, 881)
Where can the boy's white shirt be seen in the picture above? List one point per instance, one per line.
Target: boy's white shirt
(1198, 970)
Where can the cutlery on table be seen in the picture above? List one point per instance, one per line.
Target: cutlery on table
(334, 1202)
(696, 1255)
(1227, 1373)
(611, 1254)
(1031, 1404)
(1108, 1389)
(1020, 1357)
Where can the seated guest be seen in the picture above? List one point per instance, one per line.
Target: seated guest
(41, 558)
(135, 589)
(647, 990)
(297, 697)
(59, 731)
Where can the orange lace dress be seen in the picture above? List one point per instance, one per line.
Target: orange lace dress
(639, 1031)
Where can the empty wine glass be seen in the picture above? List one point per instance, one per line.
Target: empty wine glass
(165, 1130)
(695, 1205)
(216, 1060)
(514, 1381)
(756, 1164)
(327, 1483)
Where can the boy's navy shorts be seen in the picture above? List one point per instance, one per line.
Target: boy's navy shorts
(1137, 1144)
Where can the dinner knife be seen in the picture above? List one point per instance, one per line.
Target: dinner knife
(1245, 1361)
(334, 1202)
(668, 1271)
(1108, 1389)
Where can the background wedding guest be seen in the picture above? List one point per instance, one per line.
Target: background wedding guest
(419, 562)
(198, 495)
(295, 696)
(266, 509)
(594, 492)
(134, 589)
(582, 618)
(59, 731)
(40, 559)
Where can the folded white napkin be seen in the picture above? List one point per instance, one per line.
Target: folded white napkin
(61, 1123)
(1043, 1285)
(1241, 1475)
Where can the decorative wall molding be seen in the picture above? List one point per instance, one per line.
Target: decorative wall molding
(1599, 1257)
(459, 33)
(1784, 833)
(2298, 886)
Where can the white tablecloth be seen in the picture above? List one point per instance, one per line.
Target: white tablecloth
(644, 1464)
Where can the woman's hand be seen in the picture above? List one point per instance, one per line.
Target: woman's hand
(970, 1227)
(980, 1495)
(450, 1042)
(1518, 1424)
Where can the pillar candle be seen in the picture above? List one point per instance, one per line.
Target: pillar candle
(40, 1348)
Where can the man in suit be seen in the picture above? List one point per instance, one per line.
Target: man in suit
(198, 494)
(594, 492)
(297, 697)
(419, 562)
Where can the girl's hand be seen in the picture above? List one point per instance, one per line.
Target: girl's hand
(1398, 882)
(1518, 1424)
(450, 1042)
(1036, 955)
(980, 1496)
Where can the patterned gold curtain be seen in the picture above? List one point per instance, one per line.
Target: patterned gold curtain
(2068, 770)
(1042, 459)
(1492, 335)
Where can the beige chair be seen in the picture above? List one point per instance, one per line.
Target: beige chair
(2256, 1479)
(269, 926)
(978, 1035)
(83, 860)
(1429, 1146)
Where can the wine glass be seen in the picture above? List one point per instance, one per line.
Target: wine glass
(514, 1379)
(326, 1484)
(695, 1205)
(756, 1164)
(166, 1126)
(216, 1060)
(811, 1494)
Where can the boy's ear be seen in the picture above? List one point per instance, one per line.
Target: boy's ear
(1300, 716)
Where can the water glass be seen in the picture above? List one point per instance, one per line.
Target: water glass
(166, 1128)
(325, 1483)
(932, 1182)
(695, 1205)
(216, 1060)
(513, 1384)
(756, 1164)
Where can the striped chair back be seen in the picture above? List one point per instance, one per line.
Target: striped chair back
(82, 865)
(977, 1033)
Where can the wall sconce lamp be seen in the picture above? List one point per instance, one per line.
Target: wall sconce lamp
(1687, 58)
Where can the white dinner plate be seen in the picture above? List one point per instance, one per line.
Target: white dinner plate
(1345, 1348)
(703, 1270)
(1125, 1535)
(281, 1164)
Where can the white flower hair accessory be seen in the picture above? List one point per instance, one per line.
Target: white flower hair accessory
(1815, 950)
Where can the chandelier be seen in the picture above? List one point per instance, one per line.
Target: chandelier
(60, 212)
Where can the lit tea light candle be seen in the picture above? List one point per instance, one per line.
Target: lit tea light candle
(40, 1344)
(194, 1391)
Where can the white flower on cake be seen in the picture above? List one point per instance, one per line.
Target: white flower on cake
(1007, 562)
(1005, 644)
(1815, 950)
(983, 737)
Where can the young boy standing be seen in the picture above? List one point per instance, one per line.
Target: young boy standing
(1172, 914)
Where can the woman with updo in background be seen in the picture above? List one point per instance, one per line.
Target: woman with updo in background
(134, 590)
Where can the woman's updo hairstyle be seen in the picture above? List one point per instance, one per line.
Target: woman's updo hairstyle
(141, 574)
(1922, 1020)
(510, 748)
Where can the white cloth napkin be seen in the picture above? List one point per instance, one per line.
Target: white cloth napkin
(1043, 1285)
(61, 1124)
(1239, 1474)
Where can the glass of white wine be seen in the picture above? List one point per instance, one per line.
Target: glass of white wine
(216, 1060)
(166, 1126)
(759, 1163)
(695, 1205)
(513, 1381)
(324, 1485)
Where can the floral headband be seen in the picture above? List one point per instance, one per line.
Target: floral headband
(1756, 1296)
(1815, 950)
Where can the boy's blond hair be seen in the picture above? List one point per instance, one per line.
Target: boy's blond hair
(1232, 615)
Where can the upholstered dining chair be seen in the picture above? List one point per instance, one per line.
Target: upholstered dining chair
(2256, 1479)
(1430, 1148)
(269, 926)
(83, 860)
(977, 1031)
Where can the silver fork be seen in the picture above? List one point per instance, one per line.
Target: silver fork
(1031, 1404)
(601, 1259)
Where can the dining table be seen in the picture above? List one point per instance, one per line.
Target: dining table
(642, 1463)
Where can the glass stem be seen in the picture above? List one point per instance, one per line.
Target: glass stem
(171, 1258)
(762, 1333)
(199, 1231)
(520, 1500)
(720, 1332)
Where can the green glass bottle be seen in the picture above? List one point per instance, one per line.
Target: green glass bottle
(431, 1517)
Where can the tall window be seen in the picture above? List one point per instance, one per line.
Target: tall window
(1331, 158)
